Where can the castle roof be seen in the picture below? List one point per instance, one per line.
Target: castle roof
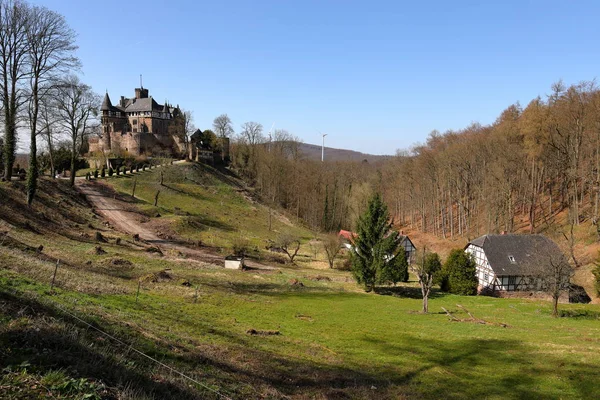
(106, 104)
(145, 104)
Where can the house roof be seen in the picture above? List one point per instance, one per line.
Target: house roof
(347, 235)
(403, 238)
(513, 254)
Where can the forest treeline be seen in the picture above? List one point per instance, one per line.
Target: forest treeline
(516, 173)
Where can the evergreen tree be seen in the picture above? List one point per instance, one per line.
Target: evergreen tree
(458, 274)
(396, 270)
(377, 253)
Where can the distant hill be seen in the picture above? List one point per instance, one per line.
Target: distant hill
(313, 152)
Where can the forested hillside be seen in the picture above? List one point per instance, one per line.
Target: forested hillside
(516, 174)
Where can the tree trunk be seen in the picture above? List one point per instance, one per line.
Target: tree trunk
(73, 161)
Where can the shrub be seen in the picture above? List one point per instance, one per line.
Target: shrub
(110, 171)
(103, 172)
(118, 171)
(343, 264)
(96, 174)
(458, 274)
(240, 246)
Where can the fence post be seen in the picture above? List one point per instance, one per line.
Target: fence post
(54, 276)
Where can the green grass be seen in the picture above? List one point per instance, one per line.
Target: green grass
(202, 203)
(335, 341)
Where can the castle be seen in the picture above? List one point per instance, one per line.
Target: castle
(138, 126)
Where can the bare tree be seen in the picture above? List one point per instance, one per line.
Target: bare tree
(332, 244)
(252, 133)
(13, 71)
(51, 44)
(426, 271)
(48, 122)
(289, 243)
(77, 106)
(222, 126)
(555, 279)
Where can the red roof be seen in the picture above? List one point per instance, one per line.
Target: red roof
(347, 235)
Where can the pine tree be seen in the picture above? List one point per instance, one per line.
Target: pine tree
(377, 255)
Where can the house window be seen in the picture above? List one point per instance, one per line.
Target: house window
(486, 277)
(134, 121)
(512, 260)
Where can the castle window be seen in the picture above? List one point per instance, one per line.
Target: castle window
(134, 121)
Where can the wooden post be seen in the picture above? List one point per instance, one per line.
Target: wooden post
(138, 291)
(54, 276)
(133, 190)
(156, 198)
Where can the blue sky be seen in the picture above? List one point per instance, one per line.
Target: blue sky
(375, 76)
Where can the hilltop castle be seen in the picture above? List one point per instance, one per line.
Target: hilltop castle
(138, 126)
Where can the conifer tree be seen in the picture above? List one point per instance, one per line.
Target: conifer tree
(458, 274)
(377, 253)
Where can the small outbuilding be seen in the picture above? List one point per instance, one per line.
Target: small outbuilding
(234, 262)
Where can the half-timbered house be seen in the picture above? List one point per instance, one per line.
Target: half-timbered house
(511, 262)
(410, 250)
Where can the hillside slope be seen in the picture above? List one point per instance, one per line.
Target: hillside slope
(313, 152)
(292, 332)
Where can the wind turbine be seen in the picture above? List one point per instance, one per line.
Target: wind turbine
(323, 146)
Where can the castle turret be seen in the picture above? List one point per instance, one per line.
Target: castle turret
(106, 104)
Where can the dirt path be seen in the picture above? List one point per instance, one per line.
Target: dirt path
(122, 216)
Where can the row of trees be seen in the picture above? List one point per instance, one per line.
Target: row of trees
(38, 90)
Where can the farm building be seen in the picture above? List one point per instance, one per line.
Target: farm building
(509, 262)
(409, 248)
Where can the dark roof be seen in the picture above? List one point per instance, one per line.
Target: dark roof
(145, 104)
(402, 238)
(196, 135)
(529, 252)
(106, 104)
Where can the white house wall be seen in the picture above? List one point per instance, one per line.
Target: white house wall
(485, 274)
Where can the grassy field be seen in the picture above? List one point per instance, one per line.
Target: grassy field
(253, 334)
(198, 202)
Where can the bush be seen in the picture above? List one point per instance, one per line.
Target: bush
(118, 171)
(240, 247)
(103, 173)
(458, 275)
(343, 264)
(110, 171)
(96, 174)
